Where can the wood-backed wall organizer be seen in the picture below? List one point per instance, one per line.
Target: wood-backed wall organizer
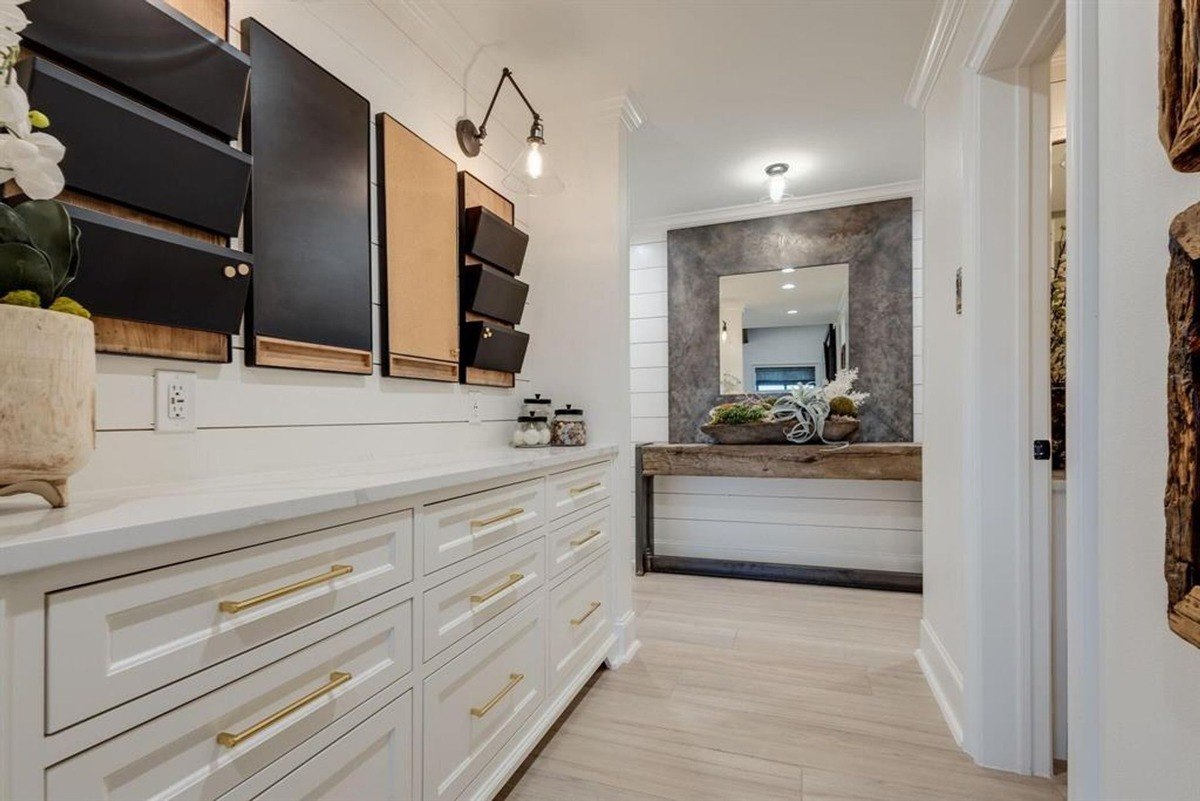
(309, 218)
(473, 193)
(169, 71)
(153, 52)
(492, 293)
(487, 346)
(130, 154)
(490, 238)
(158, 277)
(418, 255)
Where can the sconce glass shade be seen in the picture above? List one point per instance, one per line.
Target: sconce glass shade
(532, 171)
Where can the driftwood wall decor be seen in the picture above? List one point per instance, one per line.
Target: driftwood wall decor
(1183, 468)
(1179, 82)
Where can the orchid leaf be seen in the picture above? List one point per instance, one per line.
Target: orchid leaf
(25, 267)
(49, 227)
(12, 227)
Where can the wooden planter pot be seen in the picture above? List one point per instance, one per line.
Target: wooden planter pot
(47, 400)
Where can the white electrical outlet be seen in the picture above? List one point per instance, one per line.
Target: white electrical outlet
(174, 401)
(476, 416)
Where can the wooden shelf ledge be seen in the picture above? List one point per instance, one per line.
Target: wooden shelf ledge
(869, 461)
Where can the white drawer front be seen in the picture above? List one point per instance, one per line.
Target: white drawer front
(186, 754)
(463, 604)
(112, 641)
(579, 619)
(477, 702)
(573, 490)
(372, 762)
(577, 540)
(462, 527)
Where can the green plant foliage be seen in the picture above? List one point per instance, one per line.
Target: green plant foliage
(736, 414)
(22, 297)
(843, 407)
(67, 306)
(39, 249)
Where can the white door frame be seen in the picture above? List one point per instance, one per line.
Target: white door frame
(1083, 399)
(1008, 708)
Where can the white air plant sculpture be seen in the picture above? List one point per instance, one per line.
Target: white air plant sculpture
(28, 155)
(807, 407)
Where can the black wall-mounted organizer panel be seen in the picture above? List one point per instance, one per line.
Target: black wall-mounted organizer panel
(492, 293)
(136, 272)
(122, 151)
(148, 48)
(309, 218)
(488, 237)
(492, 347)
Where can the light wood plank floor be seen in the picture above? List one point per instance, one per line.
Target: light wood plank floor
(750, 690)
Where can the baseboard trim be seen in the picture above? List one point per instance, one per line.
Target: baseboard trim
(943, 677)
(626, 644)
(857, 578)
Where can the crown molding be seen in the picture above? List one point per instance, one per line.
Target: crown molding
(933, 56)
(989, 32)
(654, 229)
(624, 108)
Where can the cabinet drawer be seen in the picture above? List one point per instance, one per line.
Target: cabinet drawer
(109, 642)
(576, 540)
(456, 529)
(579, 619)
(204, 748)
(463, 604)
(475, 704)
(578, 488)
(371, 762)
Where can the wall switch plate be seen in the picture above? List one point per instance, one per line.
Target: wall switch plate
(174, 401)
(475, 417)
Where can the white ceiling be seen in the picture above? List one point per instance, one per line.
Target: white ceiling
(726, 87)
(816, 296)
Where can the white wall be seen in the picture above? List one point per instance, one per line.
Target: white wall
(782, 346)
(253, 419)
(1148, 678)
(944, 636)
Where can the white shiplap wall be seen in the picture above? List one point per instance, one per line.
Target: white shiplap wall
(873, 525)
(255, 419)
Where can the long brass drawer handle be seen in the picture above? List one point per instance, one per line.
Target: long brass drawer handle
(336, 679)
(591, 535)
(592, 607)
(516, 511)
(233, 607)
(513, 578)
(513, 680)
(586, 487)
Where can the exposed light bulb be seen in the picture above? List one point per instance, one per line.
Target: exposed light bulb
(788, 286)
(724, 331)
(793, 311)
(533, 159)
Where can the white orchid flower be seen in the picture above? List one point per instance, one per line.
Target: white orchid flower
(11, 15)
(14, 110)
(33, 163)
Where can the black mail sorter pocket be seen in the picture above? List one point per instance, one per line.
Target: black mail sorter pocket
(488, 237)
(492, 293)
(493, 347)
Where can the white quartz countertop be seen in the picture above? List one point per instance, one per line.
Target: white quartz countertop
(34, 536)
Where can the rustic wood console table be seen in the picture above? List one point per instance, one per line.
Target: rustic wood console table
(882, 461)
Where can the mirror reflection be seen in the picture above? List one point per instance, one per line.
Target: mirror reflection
(783, 328)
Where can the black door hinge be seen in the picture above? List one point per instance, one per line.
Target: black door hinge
(1041, 449)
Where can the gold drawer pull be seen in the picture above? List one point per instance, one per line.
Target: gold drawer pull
(516, 511)
(513, 680)
(591, 535)
(592, 607)
(233, 607)
(586, 487)
(336, 679)
(513, 578)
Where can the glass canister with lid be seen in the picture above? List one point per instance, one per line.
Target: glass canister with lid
(537, 406)
(532, 431)
(570, 428)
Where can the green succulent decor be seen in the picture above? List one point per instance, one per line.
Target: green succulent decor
(39, 256)
(753, 410)
(843, 407)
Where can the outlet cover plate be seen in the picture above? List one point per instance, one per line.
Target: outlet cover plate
(174, 401)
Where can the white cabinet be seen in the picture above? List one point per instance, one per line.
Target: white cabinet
(579, 619)
(462, 527)
(572, 490)
(579, 538)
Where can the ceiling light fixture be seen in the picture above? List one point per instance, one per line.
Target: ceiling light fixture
(788, 286)
(724, 331)
(530, 174)
(776, 181)
(788, 270)
(793, 311)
